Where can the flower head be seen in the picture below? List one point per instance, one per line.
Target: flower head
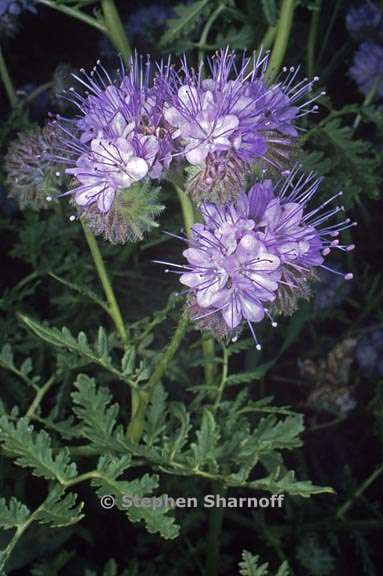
(32, 177)
(118, 139)
(225, 123)
(365, 21)
(261, 250)
(367, 68)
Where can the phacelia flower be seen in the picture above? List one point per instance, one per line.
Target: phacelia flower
(258, 254)
(365, 22)
(232, 119)
(32, 177)
(9, 12)
(369, 353)
(367, 68)
(118, 139)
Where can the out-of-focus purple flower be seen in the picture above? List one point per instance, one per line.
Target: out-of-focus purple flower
(232, 119)
(367, 68)
(365, 22)
(330, 290)
(119, 138)
(369, 353)
(262, 249)
(9, 12)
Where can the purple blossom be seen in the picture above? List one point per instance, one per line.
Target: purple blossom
(369, 353)
(260, 251)
(234, 115)
(367, 68)
(119, 137)
(365, 21)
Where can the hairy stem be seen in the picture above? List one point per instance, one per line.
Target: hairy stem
(208, 344)
(313, 33)
(6, 79)
(114, 309)
(115, 29)
(75, 13)
(285, 22)
(187, 209)
(142, 397)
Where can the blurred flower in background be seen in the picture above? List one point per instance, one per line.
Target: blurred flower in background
(330, 290)
(365, 24)
(369, 353)
(9, 12)
(367, 68)
(329, 380)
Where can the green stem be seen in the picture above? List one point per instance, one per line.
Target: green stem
(208, 344)
(207, 28)
(225, 368)
(368, 100)
(142, 397)
(214, 538)
(114, 309)
(115, 29)
(285, 22)
(208, 349)
(345, 507)
(329, 30)
(268, 38)
(187, 209)
(77, 14)
(313, 33)
(39, 397)
(6, 79)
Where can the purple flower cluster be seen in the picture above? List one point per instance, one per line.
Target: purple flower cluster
(365, 24)
(119, 137)
(260, 251)
(255, 253)
(132, 128)
(225, 123)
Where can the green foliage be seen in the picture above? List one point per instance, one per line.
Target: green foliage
(269, 8)
(251, 566)
(317, 560)
(187, 17)
(34, 450)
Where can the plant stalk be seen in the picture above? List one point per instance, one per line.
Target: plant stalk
(6, 79)
(208, 344)
(115, 29)
(114, 309)
(141, 398)
(313, 34)
(284, 25)
(214, 537)
(75, 13)
(358, 493)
